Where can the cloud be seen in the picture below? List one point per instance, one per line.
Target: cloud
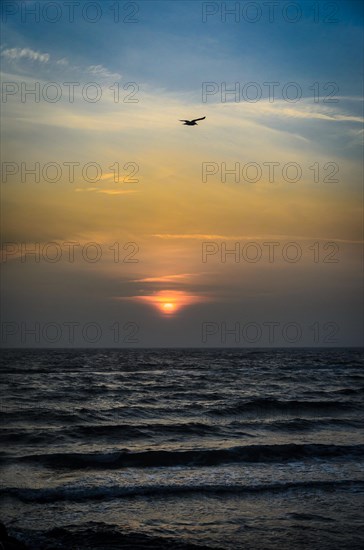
(295, 113)
(169, 278)
(25, 53)
(102, 72)
(168, 301)
(303, 109)
(98, 72)
(106, 191)
(198, 236)
(63, 61)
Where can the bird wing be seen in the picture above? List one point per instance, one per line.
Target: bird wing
(183, 120)
(195, 119)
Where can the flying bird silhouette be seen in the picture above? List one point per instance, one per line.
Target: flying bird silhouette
(192, 122)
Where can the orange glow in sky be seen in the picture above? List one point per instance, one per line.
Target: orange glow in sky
(169, 302)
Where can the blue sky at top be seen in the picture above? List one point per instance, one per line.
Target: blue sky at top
(171, 48)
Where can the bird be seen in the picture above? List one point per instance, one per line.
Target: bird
(192, 122)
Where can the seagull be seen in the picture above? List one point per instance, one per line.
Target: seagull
(192, 122)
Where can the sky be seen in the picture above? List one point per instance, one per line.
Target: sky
(122, 227)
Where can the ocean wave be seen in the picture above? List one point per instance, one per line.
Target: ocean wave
(44, 435)
(277, 406)
(97, 535)
(79, 494)
(198, 457)
(308, 424)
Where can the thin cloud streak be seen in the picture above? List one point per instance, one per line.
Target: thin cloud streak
(199, 236)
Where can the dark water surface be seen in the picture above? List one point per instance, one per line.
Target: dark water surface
(232, 449)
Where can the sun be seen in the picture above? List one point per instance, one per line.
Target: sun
(169, 303)
(168, 307)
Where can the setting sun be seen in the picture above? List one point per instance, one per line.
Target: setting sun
(169, 302)
(168, 307)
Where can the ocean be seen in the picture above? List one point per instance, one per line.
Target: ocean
(181, 448)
